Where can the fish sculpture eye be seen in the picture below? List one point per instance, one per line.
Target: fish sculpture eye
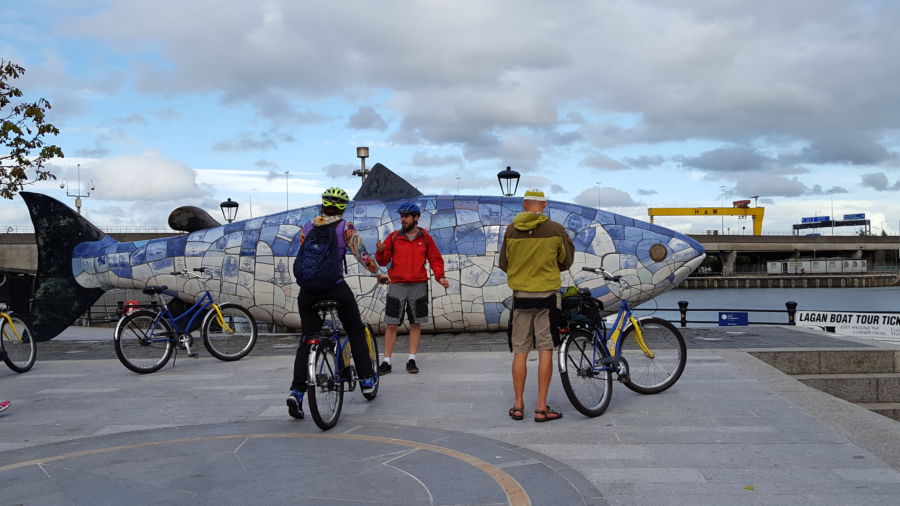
(658, 252)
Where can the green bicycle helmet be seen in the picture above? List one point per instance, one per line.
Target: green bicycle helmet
(335, 193)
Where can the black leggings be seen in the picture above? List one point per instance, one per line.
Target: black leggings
(311, 325)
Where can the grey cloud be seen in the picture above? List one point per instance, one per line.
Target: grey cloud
(644, 162)
(366, 118)
(265, 164)
(646, 192)
(845, 148)
(879, 182)
(421, 159)
(168, 114)
(605, 197)
(818, 190)
(557, 189)
(726, 75)
(602, 162)
(131, 119)
(727, 159)
(336, 170)
(250, 141)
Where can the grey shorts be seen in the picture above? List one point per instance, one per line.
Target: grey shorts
(531, 327)
(406, 300)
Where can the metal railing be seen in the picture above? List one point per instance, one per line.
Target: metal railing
(789, 312)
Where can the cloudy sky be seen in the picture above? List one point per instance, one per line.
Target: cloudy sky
(629, 105)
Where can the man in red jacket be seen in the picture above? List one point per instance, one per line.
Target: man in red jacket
(407, 250)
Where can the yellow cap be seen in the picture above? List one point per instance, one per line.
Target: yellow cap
(535, 194)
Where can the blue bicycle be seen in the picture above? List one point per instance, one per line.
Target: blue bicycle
(647, 355)
(147, 338)
(330, 367)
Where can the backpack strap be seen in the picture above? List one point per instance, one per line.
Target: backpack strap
(341, 225)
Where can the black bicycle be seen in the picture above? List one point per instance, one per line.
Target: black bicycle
(331, 371)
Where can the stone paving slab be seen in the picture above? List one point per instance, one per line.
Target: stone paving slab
(732, 431)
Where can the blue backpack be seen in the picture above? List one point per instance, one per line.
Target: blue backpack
(318, 265)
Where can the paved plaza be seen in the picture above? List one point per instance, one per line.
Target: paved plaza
(85, 430)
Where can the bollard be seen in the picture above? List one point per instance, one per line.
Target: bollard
(682, 306)
(791, 311)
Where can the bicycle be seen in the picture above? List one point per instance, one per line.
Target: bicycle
(330, 377)
(647, 354)
(146, 339)
(17, 346)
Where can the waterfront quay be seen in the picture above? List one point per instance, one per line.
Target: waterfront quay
(734, 430)
(867, 280)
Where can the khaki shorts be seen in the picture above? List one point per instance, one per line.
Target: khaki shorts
(531, 327)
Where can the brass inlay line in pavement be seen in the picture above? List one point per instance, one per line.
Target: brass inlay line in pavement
(515, 494)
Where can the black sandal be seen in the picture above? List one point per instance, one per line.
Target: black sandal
(549, 415)
(521, 413)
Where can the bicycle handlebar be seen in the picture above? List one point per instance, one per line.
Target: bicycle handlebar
(602, 271)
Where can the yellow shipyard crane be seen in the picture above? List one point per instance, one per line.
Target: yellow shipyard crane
(741, 209)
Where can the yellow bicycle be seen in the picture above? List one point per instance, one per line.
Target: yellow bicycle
(17, 346)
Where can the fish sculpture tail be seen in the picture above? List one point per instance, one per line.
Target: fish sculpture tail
(58, 298)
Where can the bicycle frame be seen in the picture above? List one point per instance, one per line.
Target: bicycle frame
(11, 325)
(608, 344)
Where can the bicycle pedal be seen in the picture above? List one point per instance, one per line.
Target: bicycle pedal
(193, 355)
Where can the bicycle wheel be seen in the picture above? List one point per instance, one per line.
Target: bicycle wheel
(373, 356)
(588, 390)
(18, 344)
(652, 373)
(325, 390)
(144, 341)
(234, 341)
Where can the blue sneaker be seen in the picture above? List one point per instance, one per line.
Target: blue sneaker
(295, 404)
(368, 384)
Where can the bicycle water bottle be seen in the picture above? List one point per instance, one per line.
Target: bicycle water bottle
(345, 355)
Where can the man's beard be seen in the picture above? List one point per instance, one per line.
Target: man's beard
(412, 225)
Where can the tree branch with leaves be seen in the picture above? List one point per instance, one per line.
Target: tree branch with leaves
(23, 127)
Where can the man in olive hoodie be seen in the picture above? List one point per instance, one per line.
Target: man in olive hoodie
(535, 250)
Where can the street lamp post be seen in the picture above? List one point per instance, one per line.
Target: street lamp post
(509, 182)
(229, 209)
(831, 192)
(65, 184)
(598, 194)
(287, 206)
(362, 152)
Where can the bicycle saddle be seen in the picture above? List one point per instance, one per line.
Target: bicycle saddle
(155, 290)
(326, 305)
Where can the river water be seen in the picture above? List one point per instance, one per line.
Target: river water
(824, 299)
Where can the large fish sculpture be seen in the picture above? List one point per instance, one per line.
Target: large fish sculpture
(252, 259)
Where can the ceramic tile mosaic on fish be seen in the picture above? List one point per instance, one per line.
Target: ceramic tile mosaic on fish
(253, 259)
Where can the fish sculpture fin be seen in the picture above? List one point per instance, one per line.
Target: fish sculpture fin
(383, 184)
(58, 298)
(191, 219)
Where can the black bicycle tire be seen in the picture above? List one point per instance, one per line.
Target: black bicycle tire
(370, 337)
(120, 353)
(23, 330)
(313, 384)
(633, 364)
(210, 347)
(566, 369)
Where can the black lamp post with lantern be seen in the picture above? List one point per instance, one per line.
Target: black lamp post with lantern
(509, 181)
(229, 209)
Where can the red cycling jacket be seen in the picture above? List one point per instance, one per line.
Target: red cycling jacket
(407, 258)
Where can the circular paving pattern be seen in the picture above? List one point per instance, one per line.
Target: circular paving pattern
(284, 462)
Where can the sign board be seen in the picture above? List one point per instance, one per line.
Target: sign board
(732, 319)
(815, 219)
(860, 216)
(882, 326)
